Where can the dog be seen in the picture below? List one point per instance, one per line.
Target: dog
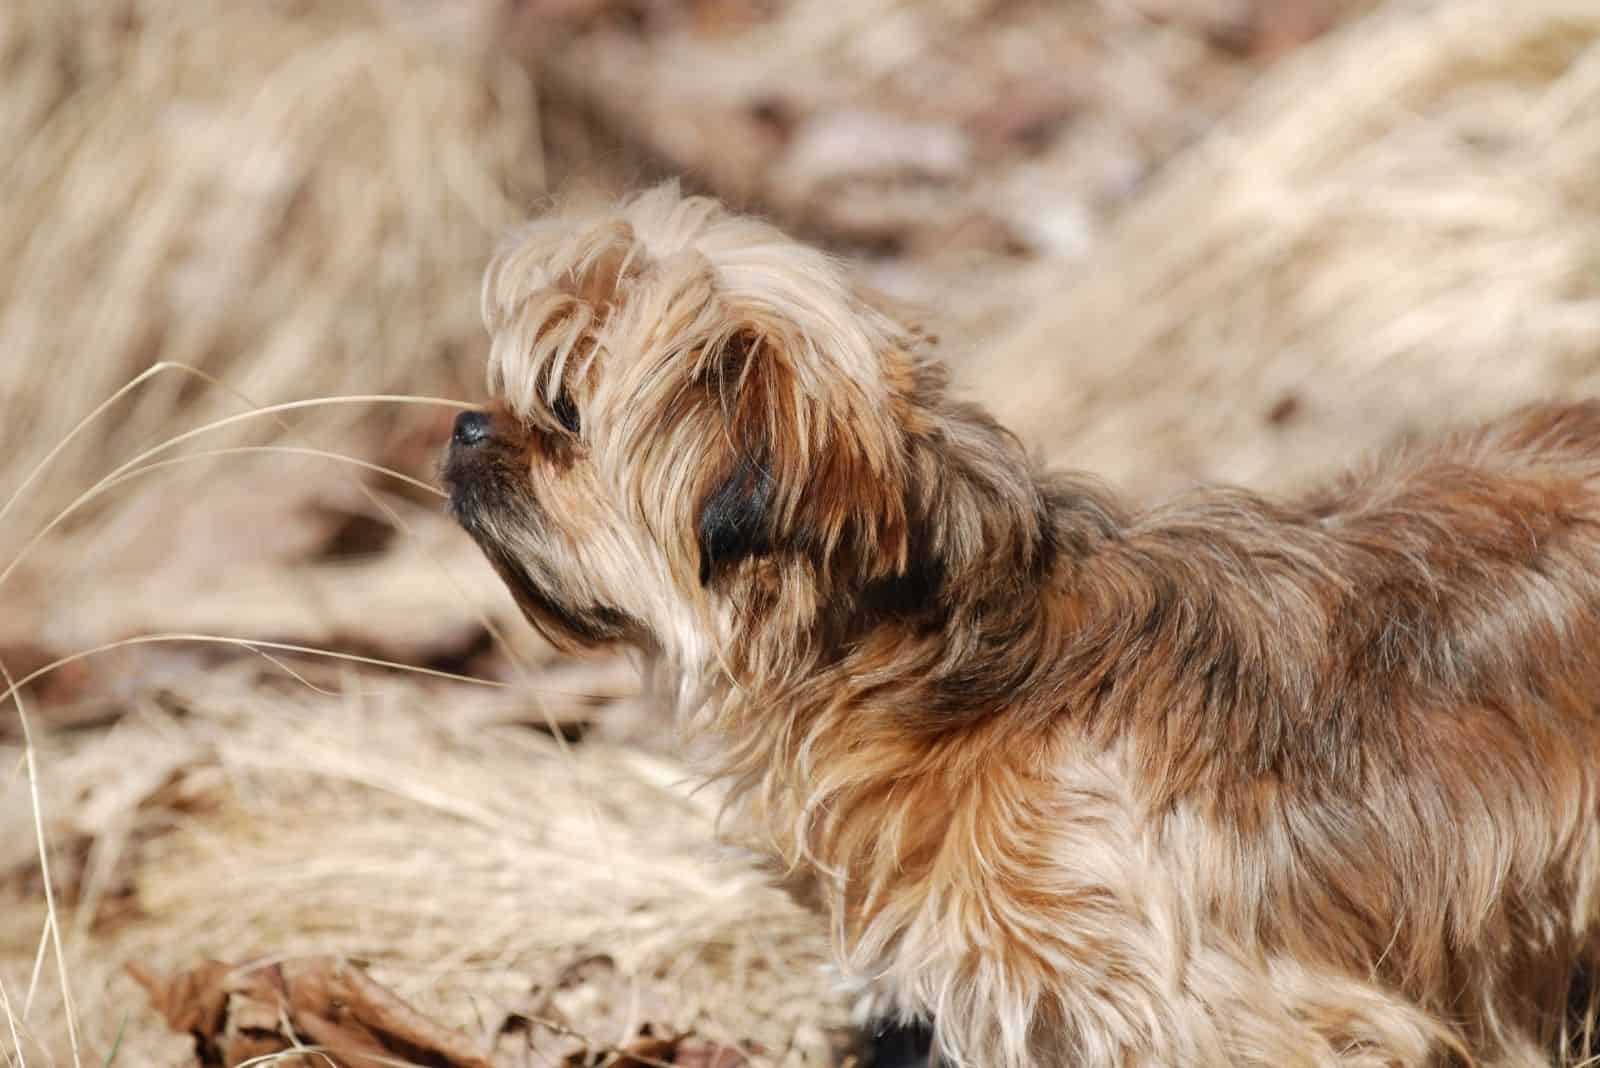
(1230, 781)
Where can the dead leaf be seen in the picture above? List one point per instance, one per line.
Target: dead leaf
(194, 1001)
(235, 1013)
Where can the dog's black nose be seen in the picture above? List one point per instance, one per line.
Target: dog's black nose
(471, 428)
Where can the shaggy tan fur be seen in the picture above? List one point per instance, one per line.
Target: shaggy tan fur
(1232, 782)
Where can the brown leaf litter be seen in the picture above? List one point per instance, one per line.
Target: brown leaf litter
(343, 1018)
(235, 1013)
(950, 136)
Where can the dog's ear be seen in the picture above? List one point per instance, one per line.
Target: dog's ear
(810, 469)
(735, 519)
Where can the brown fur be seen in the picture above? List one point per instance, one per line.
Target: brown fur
(1229, 782)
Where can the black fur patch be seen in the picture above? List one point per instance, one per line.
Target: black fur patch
(566, 413)
(593, 624)
(733, 520)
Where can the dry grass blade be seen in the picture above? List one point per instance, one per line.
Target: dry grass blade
(12, 691)
(46, 933)
(21, 1060)
(299, 1054)
(256, 409)
(283, 450)
(122, 471)
(44, 867)
(83, 424)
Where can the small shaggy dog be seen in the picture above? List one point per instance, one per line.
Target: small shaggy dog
(1230, 782)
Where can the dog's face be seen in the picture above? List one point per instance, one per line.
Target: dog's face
(695, 422)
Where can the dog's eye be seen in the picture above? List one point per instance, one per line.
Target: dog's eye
(566, 412)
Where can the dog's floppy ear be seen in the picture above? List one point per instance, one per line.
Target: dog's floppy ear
(807, 471)
(735, 519)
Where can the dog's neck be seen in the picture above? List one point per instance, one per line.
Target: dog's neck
(851, 739)
(913, 673)
(939, 640)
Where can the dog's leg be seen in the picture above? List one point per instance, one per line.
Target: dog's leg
(1290, 1014)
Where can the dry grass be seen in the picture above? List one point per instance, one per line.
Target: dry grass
(1402, 230)
(295, 203)
(467, 863)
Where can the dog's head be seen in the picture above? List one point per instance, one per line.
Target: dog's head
(694, 419)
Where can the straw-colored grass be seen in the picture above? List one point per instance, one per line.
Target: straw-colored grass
(1401, 230)
(295, 198)
(467, 863)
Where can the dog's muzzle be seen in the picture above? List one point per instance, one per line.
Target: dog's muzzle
(465, 463)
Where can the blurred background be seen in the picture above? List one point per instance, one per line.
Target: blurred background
(1166, 240)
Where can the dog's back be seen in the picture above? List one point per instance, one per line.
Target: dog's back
(1388, 704)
